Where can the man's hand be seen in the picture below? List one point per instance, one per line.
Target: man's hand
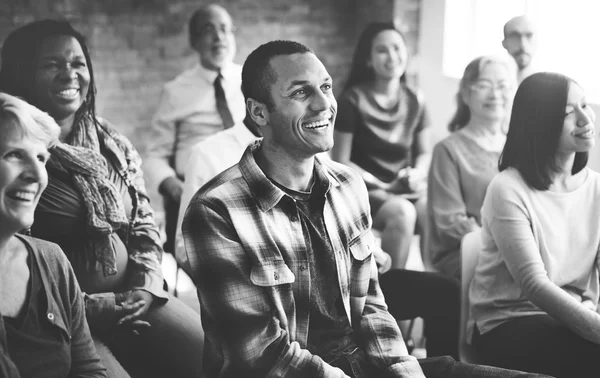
(171, 187)
(132, 307)
(383, 260)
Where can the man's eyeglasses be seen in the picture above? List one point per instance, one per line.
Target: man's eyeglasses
(212, 30)
(486, 86)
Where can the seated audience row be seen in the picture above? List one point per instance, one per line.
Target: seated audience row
(96, 209)
(534, 295)
(284, 235)
(309, 252)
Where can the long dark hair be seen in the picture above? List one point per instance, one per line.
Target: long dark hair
(535, 128)
(20, 54)
(360, 71)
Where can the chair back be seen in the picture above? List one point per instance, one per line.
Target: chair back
(470, 247)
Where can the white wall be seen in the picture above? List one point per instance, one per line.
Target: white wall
(440, 90)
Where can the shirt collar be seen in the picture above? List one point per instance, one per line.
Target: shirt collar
(265, 193)
(210, 75)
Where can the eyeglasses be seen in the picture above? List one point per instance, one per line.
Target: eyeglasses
(210, 30)
(488, 86)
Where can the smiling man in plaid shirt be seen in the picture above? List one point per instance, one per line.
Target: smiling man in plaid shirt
(281, 249)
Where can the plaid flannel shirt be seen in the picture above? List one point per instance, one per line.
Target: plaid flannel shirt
(248, 257)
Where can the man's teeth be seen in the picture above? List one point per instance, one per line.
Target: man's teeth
(317, 124)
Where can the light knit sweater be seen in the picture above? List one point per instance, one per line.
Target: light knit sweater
(540, 255)
(460, 172)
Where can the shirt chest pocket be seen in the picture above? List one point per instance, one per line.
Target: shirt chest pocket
(273, 273)
(361, 248)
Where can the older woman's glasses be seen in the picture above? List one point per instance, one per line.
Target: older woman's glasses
(212, 30)
(487, 86)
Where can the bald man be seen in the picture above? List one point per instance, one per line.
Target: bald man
(521, 43)
(198, 103)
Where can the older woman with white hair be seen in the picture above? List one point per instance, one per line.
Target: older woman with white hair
(43, 329)
(465, 162)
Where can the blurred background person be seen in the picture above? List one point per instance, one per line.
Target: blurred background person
(199, 102)
(96, 208)
(381, 132)
(43, 330)
(464, 163)
(534, 295)
(520, 41)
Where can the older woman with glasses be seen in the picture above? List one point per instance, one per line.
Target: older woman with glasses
(464, 163)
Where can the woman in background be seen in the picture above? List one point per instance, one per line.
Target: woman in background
(534, 296)
(97, 210)
(380, 131)
(464, 163)
(43, 331)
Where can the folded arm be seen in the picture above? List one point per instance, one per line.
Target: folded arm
(144, 245)
(512, 232)
(445, 198)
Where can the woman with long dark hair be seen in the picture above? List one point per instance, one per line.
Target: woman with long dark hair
(534, 296)
(380, 131)
(97, 210)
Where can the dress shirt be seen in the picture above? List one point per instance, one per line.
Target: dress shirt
(248, 257)
(207, 159)
(187, 114)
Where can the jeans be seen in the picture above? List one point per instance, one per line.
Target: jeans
(538, 343)
(431, 296)
(171, 347)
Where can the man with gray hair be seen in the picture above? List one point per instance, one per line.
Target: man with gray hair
(198, 103)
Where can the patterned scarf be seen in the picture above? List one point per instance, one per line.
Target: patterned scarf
(82, 157)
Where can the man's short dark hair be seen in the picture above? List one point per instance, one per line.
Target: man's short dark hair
(536, 124)
(257, 75)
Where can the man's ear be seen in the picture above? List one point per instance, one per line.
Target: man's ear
(504, 43)
(257, 111)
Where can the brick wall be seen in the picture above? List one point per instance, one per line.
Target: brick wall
(137, 45)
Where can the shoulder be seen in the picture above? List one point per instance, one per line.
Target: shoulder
(183, 78)
(226, 185)
(451, 144)
(508, 183)
(593, 181)
(47, 251)
(342, 173)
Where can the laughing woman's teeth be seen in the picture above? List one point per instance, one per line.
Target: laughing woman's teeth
(68, 93)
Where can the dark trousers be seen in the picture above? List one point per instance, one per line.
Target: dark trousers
(355, 365)
(171, 347)
(538, 344)
(434, 297)
(171, 214)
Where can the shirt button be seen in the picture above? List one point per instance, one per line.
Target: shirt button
(294, 218)
(51, 317)
(276, 276)
(302, 267)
